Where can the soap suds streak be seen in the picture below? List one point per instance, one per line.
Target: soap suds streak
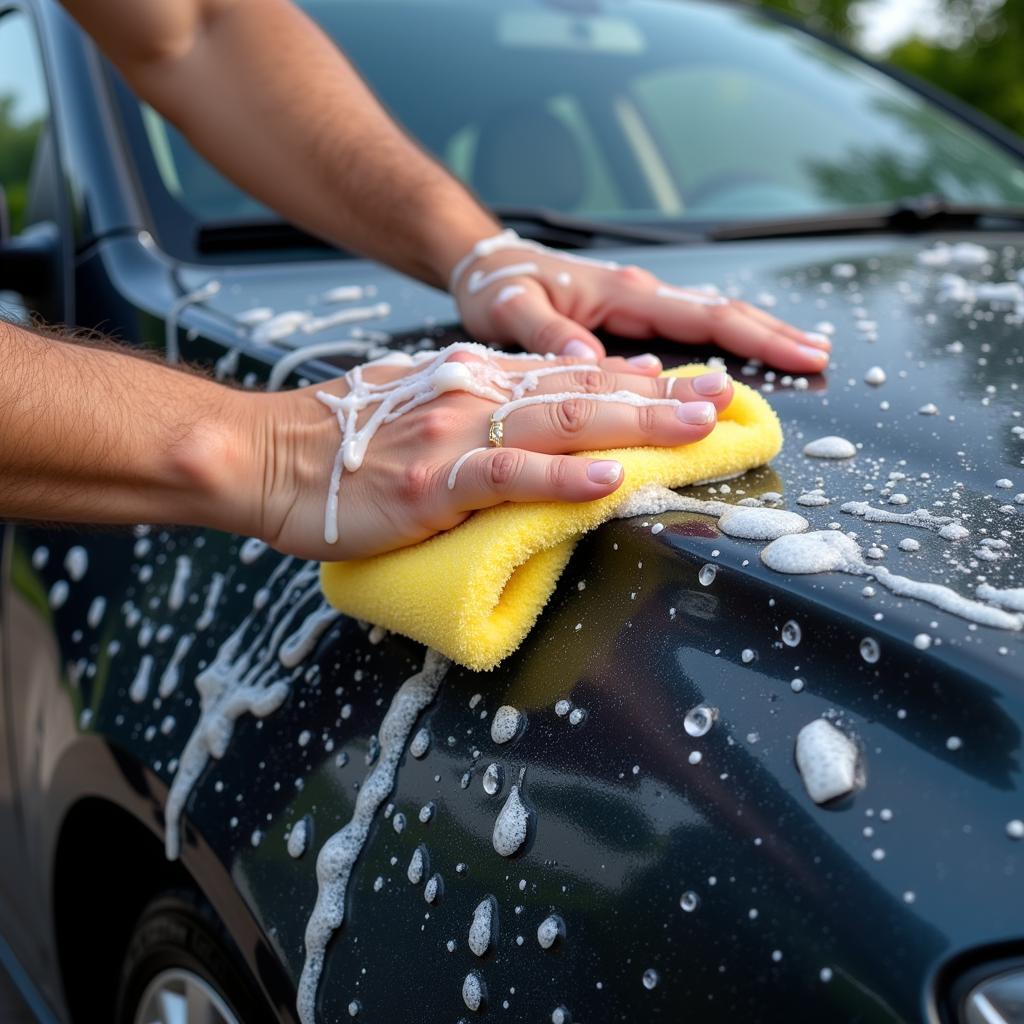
(213, 596)
(478, 280)
(284, 367)
(338, 855)
(921, 518)
(172, 673)
(182, 572)
(831, 551)
(238, 680)
(696, 297)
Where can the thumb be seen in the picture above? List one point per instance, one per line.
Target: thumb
(522, 312)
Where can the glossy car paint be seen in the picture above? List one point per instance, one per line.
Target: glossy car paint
(798, 916)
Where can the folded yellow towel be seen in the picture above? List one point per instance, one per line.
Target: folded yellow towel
(474, 592)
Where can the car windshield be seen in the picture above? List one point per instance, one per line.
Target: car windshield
(639, 112)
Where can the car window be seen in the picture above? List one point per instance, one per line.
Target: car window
(639, 111)
(24, 111)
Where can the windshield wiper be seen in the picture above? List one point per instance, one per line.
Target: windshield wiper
(229, 236)
(568, 231)
(915, 214)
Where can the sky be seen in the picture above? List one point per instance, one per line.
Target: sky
(886, 22)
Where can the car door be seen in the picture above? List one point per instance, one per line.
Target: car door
(24, 135)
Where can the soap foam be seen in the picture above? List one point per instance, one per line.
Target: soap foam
(338, 855)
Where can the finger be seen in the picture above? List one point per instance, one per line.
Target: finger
(580, 424)
(645, 365)
(813, 338)
(677, 314)
(491, 476)
(715, 387)
(523, 313)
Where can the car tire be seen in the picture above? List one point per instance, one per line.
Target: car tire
(180, 951)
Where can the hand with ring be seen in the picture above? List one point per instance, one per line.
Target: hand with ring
(429, 469)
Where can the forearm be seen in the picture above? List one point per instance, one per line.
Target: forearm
(268, 98)
(89, 434)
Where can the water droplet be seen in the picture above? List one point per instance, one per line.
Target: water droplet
(747, 655)
(825, 974)
(493, 779)
(869, 650)
(427, 811)
(420, 743)
(796, 685)
(474, 992)
(550, 931)
(354, 1007)
(707, 575)
(689, 901)
(561, 1015)
(417, 865)
(505, 723)
(695, 757)
(562, 708)
(698, 720)
(954, 743)
(791, 633)
(434, 888)
(1015, 829)
(576, 716)
(650, 978)
(398, 822)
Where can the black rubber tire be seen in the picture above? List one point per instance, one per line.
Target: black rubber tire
(180, 929)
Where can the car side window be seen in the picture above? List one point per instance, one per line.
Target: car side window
(24, 112)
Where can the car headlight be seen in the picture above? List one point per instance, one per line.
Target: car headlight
(996, 1000)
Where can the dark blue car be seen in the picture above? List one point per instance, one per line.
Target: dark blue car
(189, 693)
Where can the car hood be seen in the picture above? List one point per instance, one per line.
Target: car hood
(943, 431)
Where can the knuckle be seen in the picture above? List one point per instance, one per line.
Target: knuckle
(558, 471)
(590, 382)
(502, 468)
(436, 424)
(550, 336)
(417, 481)
(635, 277)
(647, 418)
(571, 416)
(722, 311)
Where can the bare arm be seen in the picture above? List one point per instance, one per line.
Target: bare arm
(91, 434)
(270, 100)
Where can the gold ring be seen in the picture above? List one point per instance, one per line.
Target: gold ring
(496, 433)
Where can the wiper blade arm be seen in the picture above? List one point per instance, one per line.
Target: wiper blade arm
(570, 230)
(228, 236)
(917, 214)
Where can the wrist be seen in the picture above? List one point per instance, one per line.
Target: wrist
(455, 227)
(217, 470)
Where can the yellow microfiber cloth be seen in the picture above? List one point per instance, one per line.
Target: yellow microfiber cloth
(474, 592)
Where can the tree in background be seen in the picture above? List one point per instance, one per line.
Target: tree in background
(975, 48)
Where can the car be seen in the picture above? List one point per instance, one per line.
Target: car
(187, 692)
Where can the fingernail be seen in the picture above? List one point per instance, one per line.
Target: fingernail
(604, 472)
(696, 413)
(819, 355)
(710, 383)
(821, 340)
(644, 362)
(579, 350)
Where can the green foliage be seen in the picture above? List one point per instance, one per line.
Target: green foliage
(17, 146)
(974, 51)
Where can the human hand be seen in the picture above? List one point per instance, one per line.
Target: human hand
(406, 490)
(513, 290)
